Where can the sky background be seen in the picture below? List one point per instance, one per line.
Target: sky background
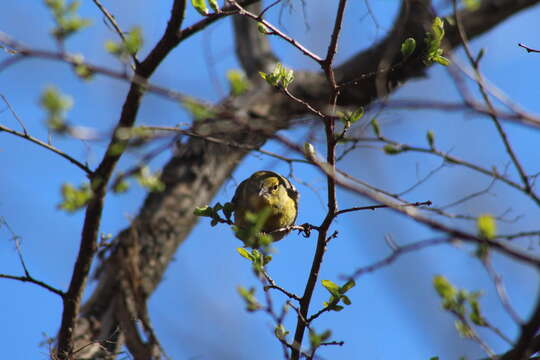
(196, 310)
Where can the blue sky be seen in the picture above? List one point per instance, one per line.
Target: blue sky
(196, 311)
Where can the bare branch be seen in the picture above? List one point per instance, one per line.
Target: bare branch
(501, 290)
(529, 50)
(396, 253)
(101, 176)
(327, 63)
(252, 48)
(273, 30)
(30, 279)
(43, 144)
(480, 81)
(412, 212)
(528, 342)
(373, 207)
(116, 28)
(27, 277)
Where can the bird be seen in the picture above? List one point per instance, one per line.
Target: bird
(268, 193)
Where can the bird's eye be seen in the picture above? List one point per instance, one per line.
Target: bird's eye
(274, 188)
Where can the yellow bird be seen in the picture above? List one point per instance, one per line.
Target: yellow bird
(266, 190)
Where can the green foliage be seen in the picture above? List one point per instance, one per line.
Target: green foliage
(407, 47)
(203, 211)
(443, 288)
(391, 149)
(486, 226)
(134, 40)
(200, 6)
(475, 314)
(197, 110)
(150, 181)
(131, 133)
(337, 294)
(461, 303)
(214, 5)
(56, 105)
(238, 82)
(350, 117)
(249, 298)
(309, 151)
(120, 187)
(66, 18)
(73, 198)
(430, 136)
(479, 56)
(376, 127)
(281, 332)
(316, 339)
(251, 234)
(258, 259)
(463, 329)
(81, 69)
(117, 148)
(433, 43)
(279, 77)
(130, 46)
(263, 29)
(244, 253)
(471, 5)
(482, 251)
(213, 212)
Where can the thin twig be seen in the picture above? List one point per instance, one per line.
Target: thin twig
(223, 142)
(14, 114)
(24, 51)
(272, 30)
(395, 254)
(470, 196)
(412, 212)
(422, 180)
(518, 235)
(272, 285)
(322, 241)
(528, 342)
(374, 207)
(30, 279)
(473, 335)
(57, 151)
(529, 50)
(516, 115)
(27, 277)
(479, 80)
(327, 63)
(116, 27)
(498, 331)
(455, 160)
(501, 290)
(100, 178)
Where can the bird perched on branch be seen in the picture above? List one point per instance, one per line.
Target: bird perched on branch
(266, 201)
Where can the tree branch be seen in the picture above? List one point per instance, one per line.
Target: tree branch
(57, 151)
(199, 168)
(100, 178)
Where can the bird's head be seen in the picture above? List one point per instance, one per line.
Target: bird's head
(269, 187)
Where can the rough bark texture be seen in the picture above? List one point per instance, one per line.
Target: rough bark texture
(198, 168)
